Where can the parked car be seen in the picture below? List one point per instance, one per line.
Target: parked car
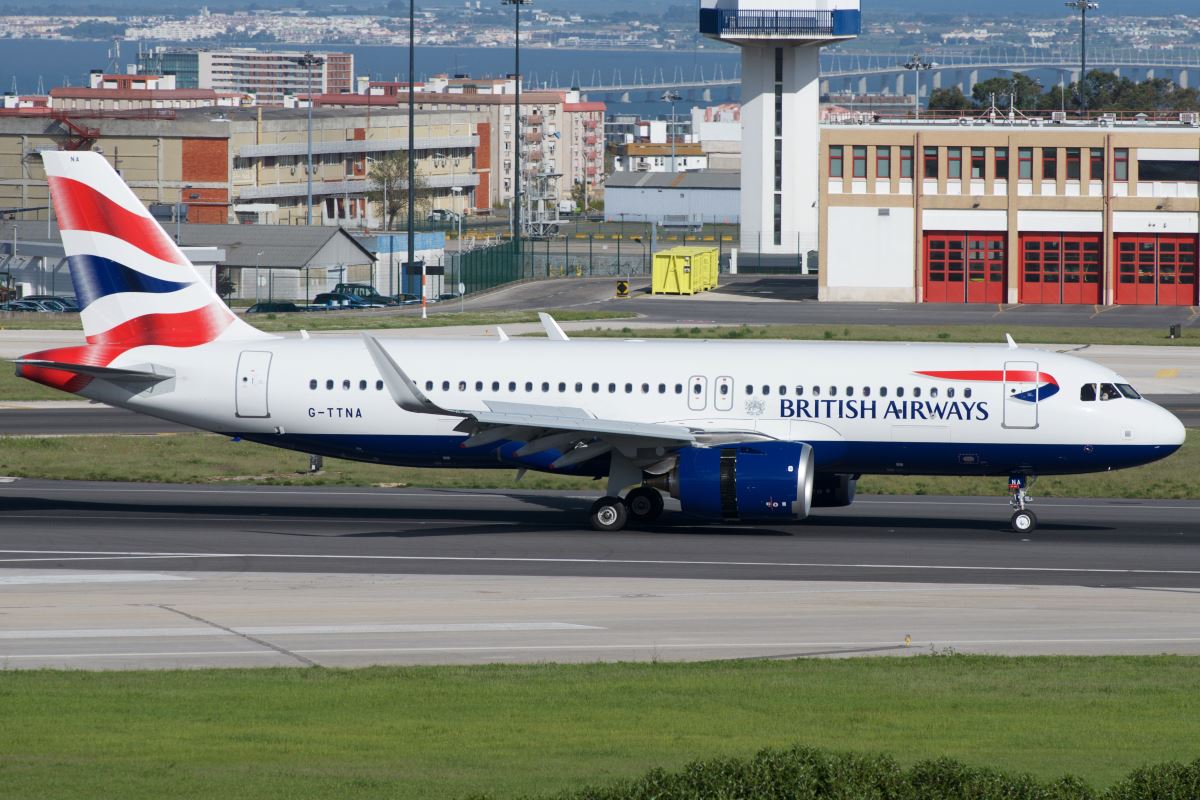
(449, 296)
(68, 302)
(274, 307)
(406, 299)
(341, 300)
(24, 306)
(58, 305)
(366, 291)
(442, 215)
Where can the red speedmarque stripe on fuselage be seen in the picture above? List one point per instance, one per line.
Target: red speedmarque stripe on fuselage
(991, 375)
(81, 208)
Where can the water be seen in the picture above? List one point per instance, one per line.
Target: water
(60, 63)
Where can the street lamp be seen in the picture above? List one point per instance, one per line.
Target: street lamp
(412, 146)
(516, 4)
(917, 66)
(1082, 6)
(308, 61)
(671, 96)
(257, 279)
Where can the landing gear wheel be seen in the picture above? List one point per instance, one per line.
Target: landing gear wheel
(644, 504)
(609, 514)
(1024, 521)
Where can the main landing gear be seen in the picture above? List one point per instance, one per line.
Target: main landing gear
(641, 505)
(1023, 519)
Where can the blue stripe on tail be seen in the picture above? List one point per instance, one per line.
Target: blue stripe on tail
(95, 277)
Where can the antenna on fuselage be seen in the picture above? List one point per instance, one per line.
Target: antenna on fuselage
(1012, 345)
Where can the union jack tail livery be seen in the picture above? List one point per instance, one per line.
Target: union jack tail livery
(135, 286)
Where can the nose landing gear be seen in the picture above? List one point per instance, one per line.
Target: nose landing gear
(1023, 519)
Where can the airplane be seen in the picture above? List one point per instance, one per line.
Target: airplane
(755, 431)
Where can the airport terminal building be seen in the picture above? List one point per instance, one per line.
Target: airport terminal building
(1011, 211)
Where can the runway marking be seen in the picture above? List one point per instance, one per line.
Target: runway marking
(916, 647)
(295, 630)
(102, 555)
(83, 577)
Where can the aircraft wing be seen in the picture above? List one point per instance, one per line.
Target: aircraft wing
(576, 433)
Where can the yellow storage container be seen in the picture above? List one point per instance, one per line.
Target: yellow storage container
(685, 270)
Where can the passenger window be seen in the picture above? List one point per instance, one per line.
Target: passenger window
(883, 391)
(866, 391)
(545, 386)
(679, 388)
(783, 391)
(933, 392)
(562, 387)
(799, 391)
(379, 386)
(612, 388)
(629, 388)
(950, 392)
(749, 389)
(662, 388)
(967, 393)
(1108, 392)
(495, 386)
(346, 384)
(462, 386)
(766, 390)
(849, 391)
(329, 384)
(312, 384)
(816, 391)
(479, 386)
(445, 386)
(362, 386)
(529, 386)
(917, 391)
(645, 388)
(833, 391)
(512, 386)
(1088, 393)
(724, 389)
(697, 390)
(595, 388)
(899, 391)
(578, 388)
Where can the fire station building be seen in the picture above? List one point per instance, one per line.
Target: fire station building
(1011, 211)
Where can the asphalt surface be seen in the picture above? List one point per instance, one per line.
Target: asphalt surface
(740, 299)
(1094, 542)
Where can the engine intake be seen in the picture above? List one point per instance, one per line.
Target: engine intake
(760, 480)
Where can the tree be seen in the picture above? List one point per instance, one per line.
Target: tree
(1027, 90)
(389, 176)
(951, 99)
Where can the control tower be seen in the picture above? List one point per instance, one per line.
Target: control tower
(781, 45)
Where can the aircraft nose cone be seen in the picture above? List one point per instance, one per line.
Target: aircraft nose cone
(1171, 430)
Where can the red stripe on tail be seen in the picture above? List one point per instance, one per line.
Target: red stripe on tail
(81, 208)
(186, 329)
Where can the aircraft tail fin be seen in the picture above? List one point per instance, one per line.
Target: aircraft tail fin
(132, 281)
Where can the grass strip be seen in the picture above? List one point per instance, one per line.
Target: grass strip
(14, 388)
(208, 458)
(532, 730)
(963, 334)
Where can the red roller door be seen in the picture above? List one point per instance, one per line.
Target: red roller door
(1156, 269)
(965, 267)
(1060, 268)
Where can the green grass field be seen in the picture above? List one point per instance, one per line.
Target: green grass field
(207, 458)
(987, 334)
(14, 388)
(525, 730)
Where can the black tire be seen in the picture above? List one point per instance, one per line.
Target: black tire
(644, 504)
(1024, 521)
(609, 514)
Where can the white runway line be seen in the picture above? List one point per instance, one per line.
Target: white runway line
(83, 577)
(295, 630)
(102, 555)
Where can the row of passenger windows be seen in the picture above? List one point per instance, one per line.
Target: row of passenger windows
(697, 388)
(347, 384)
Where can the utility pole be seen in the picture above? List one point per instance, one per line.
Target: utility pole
(1083, 6)
(516, 4)
(672, 97)
(308, 61)
(412, 144)
(917, 66)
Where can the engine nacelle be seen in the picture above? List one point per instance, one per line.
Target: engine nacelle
(758, 480)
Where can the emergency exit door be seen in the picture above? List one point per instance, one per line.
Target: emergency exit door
(1021, 394)
(254, 367)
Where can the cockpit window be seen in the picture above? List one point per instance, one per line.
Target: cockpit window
(1129, 391)
(1109, 392)
(1088, 393)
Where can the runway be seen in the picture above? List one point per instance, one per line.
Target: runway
(129, 575)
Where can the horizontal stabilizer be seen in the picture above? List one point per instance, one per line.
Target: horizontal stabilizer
(113, 374)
